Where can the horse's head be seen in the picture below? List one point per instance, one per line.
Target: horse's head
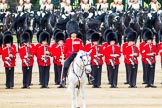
(85, 60)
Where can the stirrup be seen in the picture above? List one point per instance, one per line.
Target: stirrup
(62, 84)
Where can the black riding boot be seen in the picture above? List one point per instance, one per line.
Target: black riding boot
(65, 70)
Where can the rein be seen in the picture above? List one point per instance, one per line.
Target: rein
(82, 68)
(79, 77)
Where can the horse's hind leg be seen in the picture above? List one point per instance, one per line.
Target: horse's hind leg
(82, 88)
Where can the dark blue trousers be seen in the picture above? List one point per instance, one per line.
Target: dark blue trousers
(113, 74)
(132, 74)
(9, 77)
(144, 73)
(26, 76)
(96, 72)
(57, 70)
(150, 73)
(44, 70)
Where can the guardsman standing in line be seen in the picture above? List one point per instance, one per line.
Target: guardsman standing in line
(124, 46)
(160, 47)
(104, 45)
(27, 5)
(112, 54)
(84, 5)
(27, 57)
(96, 60)
(53, 49)
(141, 46)
(71, 47)
(8, 57)
(131, 54)
(33, 47)
(49, 6)
(155, 5)
(149, 53)
(43, 56)
(58, 56)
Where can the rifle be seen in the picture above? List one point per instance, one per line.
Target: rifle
(45, 58)
(151, 58)
(9, 62)
(97, 60)
(112, 61)
(132, 60)
(62, 56)
(27, 61)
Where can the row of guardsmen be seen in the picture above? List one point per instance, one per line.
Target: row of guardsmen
(85, 5)
(64, 51)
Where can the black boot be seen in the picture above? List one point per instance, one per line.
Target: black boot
(65, 68)
(62, 84)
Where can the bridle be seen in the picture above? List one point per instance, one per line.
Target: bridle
(83, 69)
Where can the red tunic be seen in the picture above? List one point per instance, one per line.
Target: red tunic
(36, 48)
(40, 55)
(147, 50)
(94, 59)
(129, 51)
(88, 47)
(72, 46)
(160, 50)
(108, 51)
(53, 51)
(0, 50)
(58, 55)
(124, 50)
(104, 45)
(5, 53)
(27, 61)
(141, 46)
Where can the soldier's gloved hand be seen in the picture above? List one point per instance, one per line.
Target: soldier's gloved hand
(7, 58)
(62, 62)
(10, 55)
(47, 52)
(152, 54)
